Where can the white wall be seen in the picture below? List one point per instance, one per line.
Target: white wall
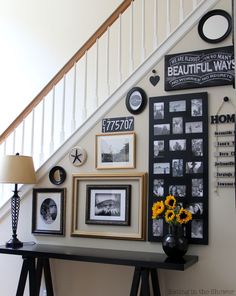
(37, 39)
(216, 267)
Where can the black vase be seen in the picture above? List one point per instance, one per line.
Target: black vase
(174, 243)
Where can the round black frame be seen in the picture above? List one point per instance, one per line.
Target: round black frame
(142, 104)
(62, 173)
(206, 17)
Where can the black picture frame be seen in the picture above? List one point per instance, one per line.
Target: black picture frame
(136, 100)
(57, 175)
(48, 211)
(206, 18)
(108, 204)
(178, 161)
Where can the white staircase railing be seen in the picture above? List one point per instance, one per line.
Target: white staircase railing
(115, 55)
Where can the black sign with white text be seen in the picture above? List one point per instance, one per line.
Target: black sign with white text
(118, 124)
(211, 67)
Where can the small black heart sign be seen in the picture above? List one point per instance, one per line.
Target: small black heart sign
(154, 80)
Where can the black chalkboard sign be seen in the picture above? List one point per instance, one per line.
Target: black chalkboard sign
(211, 67)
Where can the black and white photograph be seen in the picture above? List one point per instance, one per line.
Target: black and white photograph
(177, 167)
(161, 129)
(48, 211)
(177, 190)
(158, 111)
(195, 208)
(194, 167)
(157, 227)
(158, 187)
(161, 168)
(177, 145)
(159, 148)
(196, 107)
(197, 228)
(193, 127)
(197, 187)
(108, 204)
(115, 151)
(177, 106)
(197, 147)
(177, 125)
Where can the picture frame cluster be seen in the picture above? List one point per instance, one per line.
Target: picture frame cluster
(178, 160)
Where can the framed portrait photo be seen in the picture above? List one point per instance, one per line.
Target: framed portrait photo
(48, 215)
(115, 151)
(108, 204)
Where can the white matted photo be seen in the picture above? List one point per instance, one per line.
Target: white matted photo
(115, 151)
(108, 204)
(48, 211)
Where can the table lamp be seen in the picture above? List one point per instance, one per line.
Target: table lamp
(16, 169)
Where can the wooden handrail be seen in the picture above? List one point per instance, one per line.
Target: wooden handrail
(76, 57)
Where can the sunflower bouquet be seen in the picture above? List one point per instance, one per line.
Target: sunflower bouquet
(172, 213)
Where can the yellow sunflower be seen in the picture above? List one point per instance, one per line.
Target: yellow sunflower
(183, 216)
(169, 216)
(157, 209)
(170, 202)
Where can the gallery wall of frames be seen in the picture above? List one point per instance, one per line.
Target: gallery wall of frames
(109, 199)
(178, 160)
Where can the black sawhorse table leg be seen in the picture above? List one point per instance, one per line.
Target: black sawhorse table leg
(141, 274)
(35, 275)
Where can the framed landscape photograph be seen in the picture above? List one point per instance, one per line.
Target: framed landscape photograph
(108, 204)
(178, 161)
(115, 151)
(48, 215)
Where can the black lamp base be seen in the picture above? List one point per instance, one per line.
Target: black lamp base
(14, 243)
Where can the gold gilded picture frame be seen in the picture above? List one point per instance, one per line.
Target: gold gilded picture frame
(115, 151)
(134, 230)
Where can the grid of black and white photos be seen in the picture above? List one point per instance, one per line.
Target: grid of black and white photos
(178, 161)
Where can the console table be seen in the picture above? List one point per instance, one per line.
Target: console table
(36, 259)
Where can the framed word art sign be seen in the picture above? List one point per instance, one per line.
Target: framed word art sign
(178, 161)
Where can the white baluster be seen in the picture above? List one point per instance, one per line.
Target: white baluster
(131, 51)
(167, 17)
(23, 137)
(51, 148)
(107, 60)
(73, 121)
(155, 28)
(32, 133)
(96, 75)
(14, 143)
(84, 110)
(143, 52)
(181, 11)
(41, 155)
(119, 49)
(62, 133)
(5, 147)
